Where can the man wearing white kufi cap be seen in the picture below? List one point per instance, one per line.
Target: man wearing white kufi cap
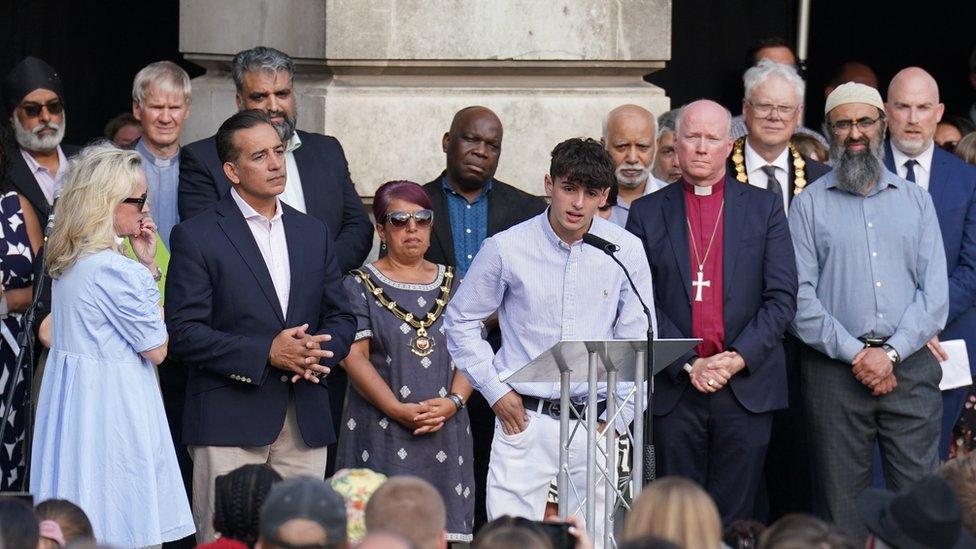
(873, 290)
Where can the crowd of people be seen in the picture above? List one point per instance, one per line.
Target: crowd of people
(218, 358)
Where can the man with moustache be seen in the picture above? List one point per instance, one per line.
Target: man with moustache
(914, 111)
(766, 158)
(722, 262)
(474, 206)
(547, 286)
(629, 136)
(34, 97)
(873, 290)
(666, 167)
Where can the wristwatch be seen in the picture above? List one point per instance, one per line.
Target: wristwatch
(892, 353)
(457, 400)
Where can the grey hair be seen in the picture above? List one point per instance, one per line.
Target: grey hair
(163, 75)
(766, 69)
(261, 59)
(615, 111)
(666, 122)
(681, 114)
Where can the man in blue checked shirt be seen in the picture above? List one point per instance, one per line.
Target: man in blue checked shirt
(547, 286)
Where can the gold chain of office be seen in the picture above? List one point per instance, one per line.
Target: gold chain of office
(422, 344)
(799, 165)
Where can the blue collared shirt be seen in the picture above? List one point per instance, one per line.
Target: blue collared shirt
(469, 224)
(162, 180)
(868, 266)
(545, 291)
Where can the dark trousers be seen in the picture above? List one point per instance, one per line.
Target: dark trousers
(844, 421)
(337, 382)
(715, 441)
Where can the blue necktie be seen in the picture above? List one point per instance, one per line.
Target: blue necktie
(910, 166)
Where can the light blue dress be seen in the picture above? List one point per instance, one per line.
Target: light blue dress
(101, 439)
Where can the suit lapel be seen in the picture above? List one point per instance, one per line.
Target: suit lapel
(734, 211)
(889, 159)
(677, 226)
(233, 224)
(26, 183)
(296, 262)
(304, 158)
(939, 177)
(442, 220)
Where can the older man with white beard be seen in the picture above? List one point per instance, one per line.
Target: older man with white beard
(35, 100)
(629, 135)
(873, 290)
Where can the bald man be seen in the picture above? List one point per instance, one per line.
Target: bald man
(732, 283)
(629, 135)
(471, 205)
(913, 110)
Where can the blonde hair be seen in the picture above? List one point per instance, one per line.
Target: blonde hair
(966, 148)
(677, 510)
(97, 181)
(960, 473)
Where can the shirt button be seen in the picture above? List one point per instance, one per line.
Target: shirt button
(467, 231)
(878, 284)
(284, 379)
(870, 225)
(874, 254)
(880, 315)
(468, 206)
(469, 256)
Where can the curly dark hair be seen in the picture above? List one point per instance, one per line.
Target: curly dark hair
(582, 162)
(238, 496)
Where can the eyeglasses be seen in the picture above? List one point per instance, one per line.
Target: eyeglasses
(33, 110)
(140, 202)
(844, 126)
(399, 219)
(764, 109)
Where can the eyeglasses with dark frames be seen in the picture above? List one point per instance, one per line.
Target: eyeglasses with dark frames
(140, 202)
(33, 110)
(399, 219)
(863, 124)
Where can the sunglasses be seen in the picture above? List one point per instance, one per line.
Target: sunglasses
(140, 202)
(399, 219)
(33, 110)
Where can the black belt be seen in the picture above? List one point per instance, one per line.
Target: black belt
(873, 341)
(552, 408)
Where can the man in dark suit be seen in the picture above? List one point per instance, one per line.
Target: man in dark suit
(318, 174)
(913, 111)
(473, 206)
(765, 157)
(34, 98)
(713, 407)
(254, 304)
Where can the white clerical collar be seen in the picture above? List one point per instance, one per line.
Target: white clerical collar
(702, 191)
(755, 163)
(924, 159)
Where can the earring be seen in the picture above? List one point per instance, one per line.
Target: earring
(382, 246)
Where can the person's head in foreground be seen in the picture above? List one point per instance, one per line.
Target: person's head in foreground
(923, 515)
(411, 507)
(62, 522)
(238, 497)
(302, 513)
(677, 510)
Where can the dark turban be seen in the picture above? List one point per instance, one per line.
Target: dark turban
(29, 75)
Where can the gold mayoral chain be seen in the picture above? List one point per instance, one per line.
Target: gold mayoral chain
(799, 165)
(422, 344)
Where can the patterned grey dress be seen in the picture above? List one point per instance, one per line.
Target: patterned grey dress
(367, 438)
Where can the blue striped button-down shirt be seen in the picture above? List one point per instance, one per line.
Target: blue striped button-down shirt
(868, 266)
(469, 224)
(545, 291)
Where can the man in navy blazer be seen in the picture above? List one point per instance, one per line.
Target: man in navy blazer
(713, 407)
(913, 111)
(254, 304)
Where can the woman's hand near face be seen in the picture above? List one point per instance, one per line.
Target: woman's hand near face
(144, 244)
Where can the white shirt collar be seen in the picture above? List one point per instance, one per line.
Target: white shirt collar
(251, 213)
(36, 166)
(755, 163)
(924, 159)
(293, 143)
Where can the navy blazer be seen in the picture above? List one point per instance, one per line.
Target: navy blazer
(952, 186)
(222, 313)
(24, 182)
(759, 288)
(330, 195)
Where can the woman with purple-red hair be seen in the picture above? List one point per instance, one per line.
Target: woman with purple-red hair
(405, 410)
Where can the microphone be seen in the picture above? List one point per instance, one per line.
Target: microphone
(650, 459)
(50, 217)
(605, 245)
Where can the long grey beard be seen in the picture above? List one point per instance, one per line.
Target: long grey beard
(857, 172)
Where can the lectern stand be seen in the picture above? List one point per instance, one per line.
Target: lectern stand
(607, 362)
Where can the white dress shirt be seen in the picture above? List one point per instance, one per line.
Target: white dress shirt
(269, 234)
(49, 185)
(293, 195)
(923, 170)
(758, 178)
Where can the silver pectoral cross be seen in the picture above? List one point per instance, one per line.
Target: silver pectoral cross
(699, 284)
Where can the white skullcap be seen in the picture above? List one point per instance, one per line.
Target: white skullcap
(852, 92)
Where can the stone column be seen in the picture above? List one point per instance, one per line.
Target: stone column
(386, 76)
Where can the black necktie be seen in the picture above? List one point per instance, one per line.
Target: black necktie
(772, 184)
(910, 166)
